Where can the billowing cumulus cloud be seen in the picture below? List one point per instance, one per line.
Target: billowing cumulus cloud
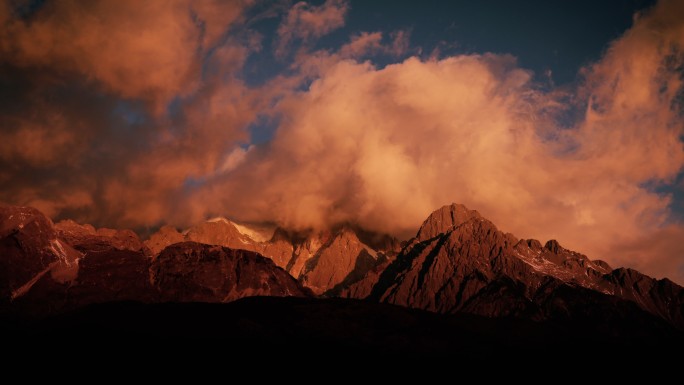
(135, 116)
(384, 147)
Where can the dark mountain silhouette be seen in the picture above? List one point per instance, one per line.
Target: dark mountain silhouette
(282, 332)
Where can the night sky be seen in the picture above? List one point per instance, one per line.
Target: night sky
(553, 119)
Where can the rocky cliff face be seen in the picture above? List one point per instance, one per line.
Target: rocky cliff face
(342, 260)
(103, 276)
(445, 219)
(166, 236)
(658, 296)
(194, 272)
(323, 261)
(46, 268)
(460, 261)
(222, 232)
(29, 249)
(86, 237)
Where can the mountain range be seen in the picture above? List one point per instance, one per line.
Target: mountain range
(459, 264)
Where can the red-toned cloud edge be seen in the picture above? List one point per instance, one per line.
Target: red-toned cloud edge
(88, 132)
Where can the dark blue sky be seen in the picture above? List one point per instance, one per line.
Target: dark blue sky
(560, 36)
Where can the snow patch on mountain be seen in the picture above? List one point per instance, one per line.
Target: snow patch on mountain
(256, 233)
(218, 219)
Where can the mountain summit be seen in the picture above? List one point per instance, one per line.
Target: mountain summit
(458, 262)
(322, 261)
(444, 220)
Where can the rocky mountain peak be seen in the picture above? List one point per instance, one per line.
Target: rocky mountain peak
(215, 232)
(459, 262)
(553, 246)
(445, 219)
(346, 234)
(533, 245)
(167, 235)
(84, 237)
(14, 218)
(29, 249)
(68, 227)
(190, 271)
(341, 260)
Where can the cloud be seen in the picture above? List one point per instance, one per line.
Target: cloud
(128, 115)
(384, 147)
(139, 51)
(108, 108)
(234, 159)
(308, 22)
(311, 65)
(658, 252)
(400, 42)
(363, 142)
(367, 43)
(361, 44)
(37, 145)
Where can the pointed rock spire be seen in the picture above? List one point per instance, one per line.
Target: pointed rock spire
(445, 219)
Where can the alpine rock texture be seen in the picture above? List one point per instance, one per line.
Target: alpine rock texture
(460, 262)
(194, 272)
(325, 262)
(47, 268)
(87, 237)
(30, 249)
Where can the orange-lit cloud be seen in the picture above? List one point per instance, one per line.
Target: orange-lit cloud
(384, 147)
(371, 42)
(307, 22)
(76, 72)
(135, 50)
(362, 44)
(381, 147)
(38, 144)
